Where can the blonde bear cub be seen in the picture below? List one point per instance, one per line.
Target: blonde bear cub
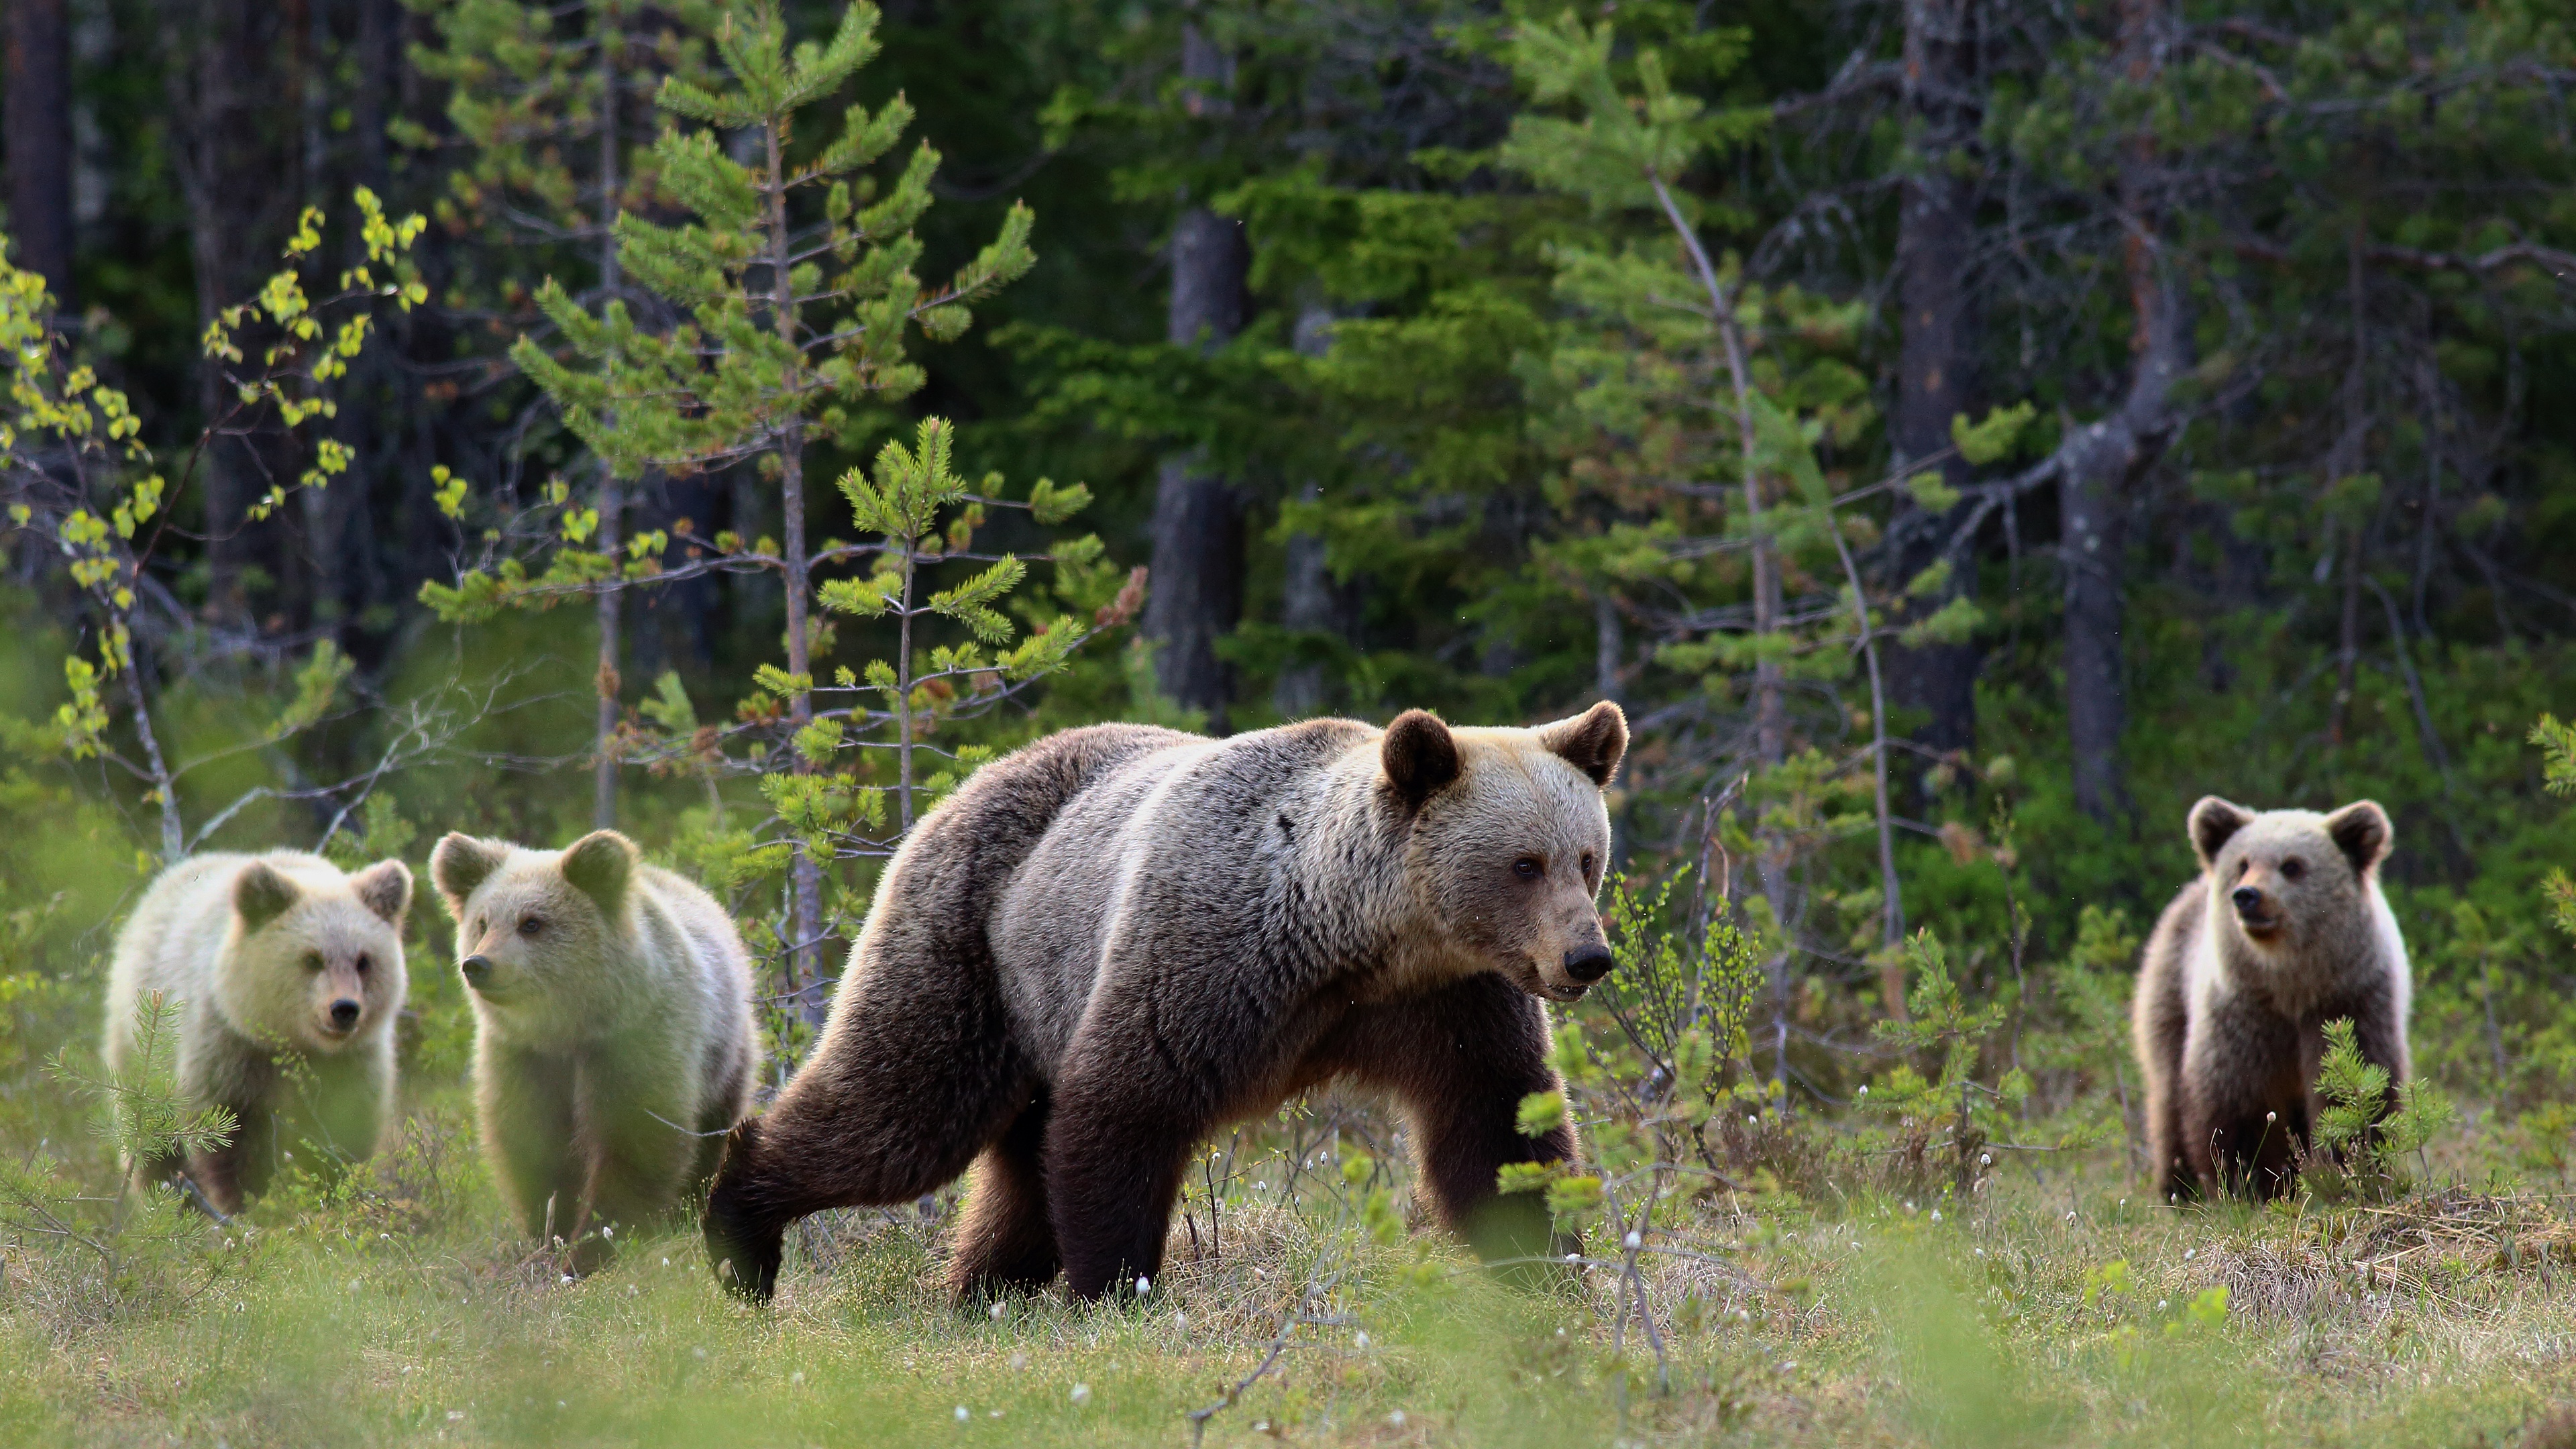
(266, 959)
(613, 1045)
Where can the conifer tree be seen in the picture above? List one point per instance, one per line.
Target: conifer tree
(554, 102)
(1681, 378)
(792, 281)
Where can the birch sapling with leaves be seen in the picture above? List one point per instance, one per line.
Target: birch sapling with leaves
(76, 475)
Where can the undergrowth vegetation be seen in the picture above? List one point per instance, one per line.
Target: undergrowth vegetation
(1953, 1257)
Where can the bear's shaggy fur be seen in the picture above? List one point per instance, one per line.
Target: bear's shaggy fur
(1109, 943)
(286, 977)
(2284, 931)
(613, 1043)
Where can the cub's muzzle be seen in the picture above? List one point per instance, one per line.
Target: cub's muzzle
(477, 970)
(1588, 964)
(2254, 910)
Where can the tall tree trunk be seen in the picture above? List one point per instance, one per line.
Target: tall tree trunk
(39, 140)
(1937, 358)
(223, 63)
(1310, 601)
(2099, 461)
(805, 874)
(1307, 607)
(612, 497)
(1196, 596)
(2350, 450)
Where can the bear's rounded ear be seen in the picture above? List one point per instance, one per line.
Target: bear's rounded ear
(384, 888)
(2362, 832)
(598, 865)
(261, 894)
(1418, 755)
(2213, 823)
(460, 863)
(1593, 741)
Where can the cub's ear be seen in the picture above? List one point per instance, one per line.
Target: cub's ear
(1592, 741)
(1418, 755)
(2361, 831)
(460, 863)
(598, 866)
(384, 888)
(2213, 823)
(261, 894)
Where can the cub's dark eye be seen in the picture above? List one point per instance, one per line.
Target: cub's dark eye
(363, 964)
(477, 928)
(312, 960)
(1528, 867)
(1587, 865)
(2293, 868)
(530, 925)
(2242, 866)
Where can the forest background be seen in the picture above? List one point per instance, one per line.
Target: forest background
(1960, 432)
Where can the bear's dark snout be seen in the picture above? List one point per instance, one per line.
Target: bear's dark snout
(1588, 964)
(344, 1014)
(477, 969)
(2248, 900)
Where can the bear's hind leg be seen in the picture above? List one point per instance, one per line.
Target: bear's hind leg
(913, 1077)
(1004, 1240)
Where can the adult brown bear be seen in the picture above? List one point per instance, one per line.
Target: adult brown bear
(1109, 943)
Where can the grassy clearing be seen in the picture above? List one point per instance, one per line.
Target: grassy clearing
(2047, 1305)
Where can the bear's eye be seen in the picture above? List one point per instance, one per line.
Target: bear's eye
(530, 925)
(312, 960)
(2293, 868)
(362, 964)
(1587, 865)
(1528, 867)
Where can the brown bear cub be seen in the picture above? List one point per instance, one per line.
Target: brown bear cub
(2285, 931)
(286, 977)
(613, 1038)
(1109, 943)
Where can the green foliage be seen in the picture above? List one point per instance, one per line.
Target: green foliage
(85, 488)
(782, 332)
(1950, 1108)
(133, 1243)
(2365, 1131)
(1652, 1093)
(2558, 757)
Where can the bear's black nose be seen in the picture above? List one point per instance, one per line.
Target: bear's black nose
(476, 969)
(344, 1014)
(2247, 898)
(1588, 964)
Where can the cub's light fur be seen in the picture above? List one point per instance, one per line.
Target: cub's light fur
(1109, 943)
(2285, 930)
(613, 1043)
(269, 957)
